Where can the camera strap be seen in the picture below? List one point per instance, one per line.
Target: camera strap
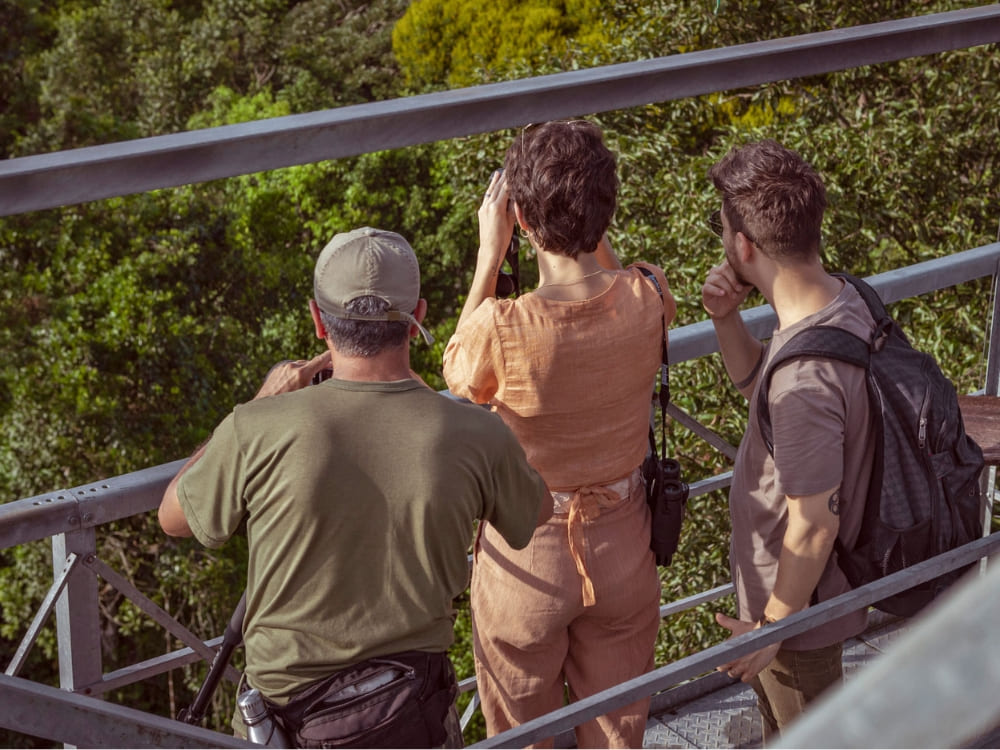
(663, 395)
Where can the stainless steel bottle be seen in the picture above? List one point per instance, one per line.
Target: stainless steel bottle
(261, 727)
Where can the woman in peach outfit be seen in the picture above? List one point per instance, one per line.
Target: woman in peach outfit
(570, 368)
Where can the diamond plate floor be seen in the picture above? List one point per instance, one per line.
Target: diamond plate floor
(727, 716)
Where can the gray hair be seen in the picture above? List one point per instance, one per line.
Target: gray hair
(365, 338)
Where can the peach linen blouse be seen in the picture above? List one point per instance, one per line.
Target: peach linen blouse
(572, 379)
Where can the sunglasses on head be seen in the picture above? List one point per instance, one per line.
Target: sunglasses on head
(715, 221)
(715, 224)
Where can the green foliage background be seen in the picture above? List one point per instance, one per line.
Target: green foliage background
(130, 326)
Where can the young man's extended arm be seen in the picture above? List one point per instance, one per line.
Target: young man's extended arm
(813, 523)
(742, 353)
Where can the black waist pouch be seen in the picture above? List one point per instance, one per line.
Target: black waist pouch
(399, 700)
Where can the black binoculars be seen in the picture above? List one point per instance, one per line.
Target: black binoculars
(667, 496)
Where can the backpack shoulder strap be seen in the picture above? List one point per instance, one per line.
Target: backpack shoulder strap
(818, 342)
(868, 294)
(826, 342)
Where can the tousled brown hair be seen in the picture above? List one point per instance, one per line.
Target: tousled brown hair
(774, 197)
(564, 179)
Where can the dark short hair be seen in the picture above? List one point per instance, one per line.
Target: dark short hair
(365, 338)
(774, 197)
(564, 179)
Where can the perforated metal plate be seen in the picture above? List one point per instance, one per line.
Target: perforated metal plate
(727, 718)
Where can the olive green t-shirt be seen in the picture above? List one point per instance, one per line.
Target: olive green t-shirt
(360, 502)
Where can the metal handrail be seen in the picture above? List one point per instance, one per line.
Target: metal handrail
(94, 504)
(71, 517)
(81, 721)
(704, 661)
(25, 702)
(929, 690)
(91, 505)
(79, 175)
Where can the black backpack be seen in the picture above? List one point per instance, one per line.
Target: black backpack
(924, 497)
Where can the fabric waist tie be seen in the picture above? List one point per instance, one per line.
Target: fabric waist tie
(583, 505)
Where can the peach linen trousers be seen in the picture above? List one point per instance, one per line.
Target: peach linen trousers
(577, 610)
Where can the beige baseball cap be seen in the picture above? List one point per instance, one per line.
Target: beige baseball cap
(364, 262)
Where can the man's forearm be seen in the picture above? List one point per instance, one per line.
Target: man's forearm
(484, 286)
(742, 353)
(813, 523)
(171, 515)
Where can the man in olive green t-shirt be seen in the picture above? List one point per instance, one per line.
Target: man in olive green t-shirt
(360, 494)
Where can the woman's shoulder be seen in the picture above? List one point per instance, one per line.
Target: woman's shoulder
(654, 278)
(648, 271)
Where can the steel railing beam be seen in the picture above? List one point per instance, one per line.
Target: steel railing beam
(77, 610)
(62, 178)
(48, 604)
(698, 339)
(705, 661)
(140, 671)
(931, 690)
(87, 506)
(44, 711)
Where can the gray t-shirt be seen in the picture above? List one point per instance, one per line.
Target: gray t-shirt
(823, 438)
(360, 502)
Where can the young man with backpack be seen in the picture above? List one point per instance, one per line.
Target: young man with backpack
(789, 505)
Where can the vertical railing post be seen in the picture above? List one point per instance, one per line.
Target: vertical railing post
(77, 612)
(992, 388)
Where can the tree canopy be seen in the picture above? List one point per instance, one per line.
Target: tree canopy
(464, 43)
